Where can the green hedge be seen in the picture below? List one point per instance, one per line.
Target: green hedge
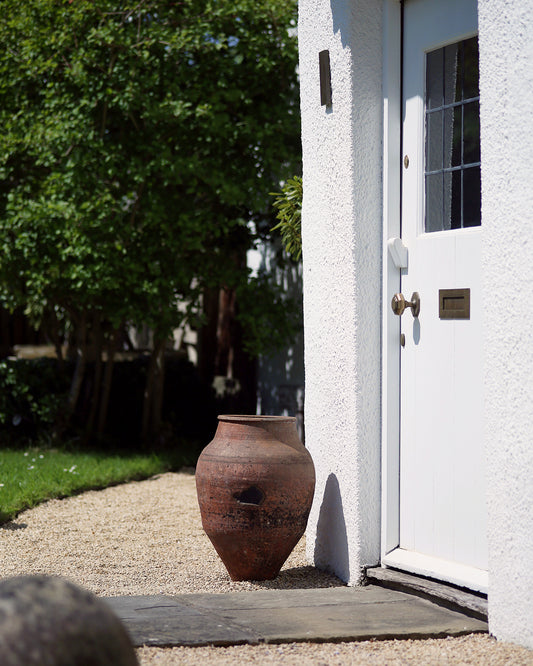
(33, 393)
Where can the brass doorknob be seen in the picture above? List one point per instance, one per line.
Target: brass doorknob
(398, 304)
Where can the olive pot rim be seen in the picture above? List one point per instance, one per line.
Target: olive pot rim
(257, 418)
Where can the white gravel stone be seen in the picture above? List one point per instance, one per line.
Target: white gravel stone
(146, 538)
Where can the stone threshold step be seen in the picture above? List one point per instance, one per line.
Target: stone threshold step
(286, 616)
(451, 596)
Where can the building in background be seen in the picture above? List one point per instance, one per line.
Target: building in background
(280, 376)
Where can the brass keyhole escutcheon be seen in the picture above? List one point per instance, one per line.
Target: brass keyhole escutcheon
(399, 304)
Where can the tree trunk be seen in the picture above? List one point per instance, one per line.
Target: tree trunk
(153, 394)
(81, 364)
(51, 325)
(158, 389)
(97, 379)
(207, 336)
(225, 333)
(108, 380)
(65, 417)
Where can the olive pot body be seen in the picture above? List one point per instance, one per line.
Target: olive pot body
(255, 483)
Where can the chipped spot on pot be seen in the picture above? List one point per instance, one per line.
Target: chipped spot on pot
(252, 495)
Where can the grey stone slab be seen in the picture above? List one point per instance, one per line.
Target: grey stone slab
(161, 621)
(352, 622)
(147, 606)
(329, 614)
(369, 594)
(187, 631)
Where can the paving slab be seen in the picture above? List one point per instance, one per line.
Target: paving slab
(283, 616)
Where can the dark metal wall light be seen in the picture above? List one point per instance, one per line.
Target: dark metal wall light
(325, 78)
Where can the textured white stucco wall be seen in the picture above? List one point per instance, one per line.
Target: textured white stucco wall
(506, 82)
(341, 230)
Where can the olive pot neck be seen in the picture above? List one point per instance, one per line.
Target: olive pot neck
(281, 428)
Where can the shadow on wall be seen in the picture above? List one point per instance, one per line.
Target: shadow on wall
(331, 543)
(341, 11)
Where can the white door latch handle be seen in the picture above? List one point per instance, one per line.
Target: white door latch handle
(398, 252)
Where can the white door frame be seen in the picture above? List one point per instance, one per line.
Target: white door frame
(390, 395)
(392, 160)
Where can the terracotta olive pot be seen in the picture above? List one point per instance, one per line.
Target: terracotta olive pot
(255, 483)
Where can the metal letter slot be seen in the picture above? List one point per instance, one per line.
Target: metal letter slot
(454, 303)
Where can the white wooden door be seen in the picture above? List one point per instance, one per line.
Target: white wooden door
(442, 524)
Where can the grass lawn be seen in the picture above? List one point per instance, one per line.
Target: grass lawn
(28, 477)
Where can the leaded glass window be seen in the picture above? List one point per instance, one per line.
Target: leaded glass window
(453, 162)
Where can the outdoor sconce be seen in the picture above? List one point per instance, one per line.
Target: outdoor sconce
(325, 78)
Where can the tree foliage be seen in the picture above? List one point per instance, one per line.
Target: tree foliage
(139, 140)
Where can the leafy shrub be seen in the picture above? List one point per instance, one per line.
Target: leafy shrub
(32, 393)
(289, 205)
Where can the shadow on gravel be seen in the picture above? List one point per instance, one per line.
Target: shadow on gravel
(12, 526)
(301, 578)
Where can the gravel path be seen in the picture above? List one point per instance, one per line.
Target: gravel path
(146, 538)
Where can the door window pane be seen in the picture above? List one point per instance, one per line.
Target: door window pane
(452, 171)
(472, 197)
(434, 143)
(471, 69)
(434, 198)
(471, 133)
(456, 195)
(434, 87)
(453, 122)
(453, 73)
